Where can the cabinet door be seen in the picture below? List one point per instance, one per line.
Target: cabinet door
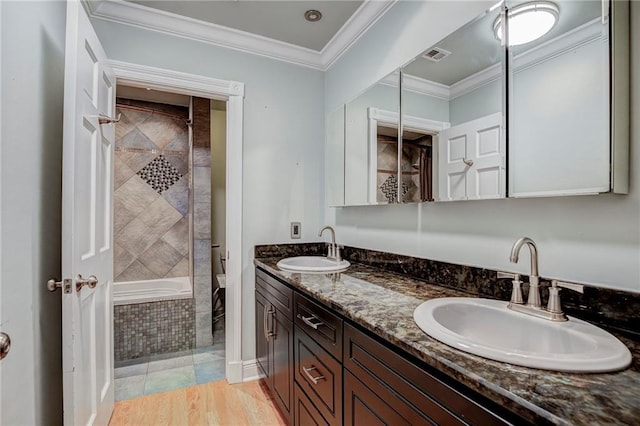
(306, 414)
(282, 360)
(362, 406)
(262, 342)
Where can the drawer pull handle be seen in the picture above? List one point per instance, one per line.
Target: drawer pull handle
(308, 321)
(308, 371)
(271, 332)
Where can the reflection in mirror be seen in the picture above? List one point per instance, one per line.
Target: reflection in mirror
(368, 118)
(559, 104)
(416, 163)
(456, 86)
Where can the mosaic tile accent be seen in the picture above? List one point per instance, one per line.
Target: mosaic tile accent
(390, 187)
(146, 329)
(160, 174)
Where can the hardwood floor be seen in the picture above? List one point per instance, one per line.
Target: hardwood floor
(215, 403)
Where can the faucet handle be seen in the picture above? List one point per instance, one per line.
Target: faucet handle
(554, 306)
(516, 293)
(571, 286)
(512, 276)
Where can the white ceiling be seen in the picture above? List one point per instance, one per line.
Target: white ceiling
(271, 28)
(278, 20)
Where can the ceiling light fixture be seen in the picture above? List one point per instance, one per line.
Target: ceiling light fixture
(528, 22)
(312, 15)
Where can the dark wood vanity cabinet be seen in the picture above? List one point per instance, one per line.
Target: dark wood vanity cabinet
(331, 372)
(274, 339)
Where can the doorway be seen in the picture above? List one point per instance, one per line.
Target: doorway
(232, 94)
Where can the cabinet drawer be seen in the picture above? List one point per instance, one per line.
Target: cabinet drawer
(276, 292)
(323, 326)
(305, 413)
(319, 375)
(416, 395)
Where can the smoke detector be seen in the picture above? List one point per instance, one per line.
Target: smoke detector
(436, 54)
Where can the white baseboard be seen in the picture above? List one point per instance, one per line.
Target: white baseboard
(235, 372)
(250, 371)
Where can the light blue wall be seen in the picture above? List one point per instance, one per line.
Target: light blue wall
(481, 102)
(283, 136)
(591, 239)
(32, 79)
(418, 105)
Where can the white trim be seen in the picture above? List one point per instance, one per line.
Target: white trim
(139, 16)
(377, 116)
(476, 81)
(584, 34)
(426, 87)
(356, 26)
(250, 371)
(233, 93)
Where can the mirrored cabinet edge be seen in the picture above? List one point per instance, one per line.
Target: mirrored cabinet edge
(337, 179)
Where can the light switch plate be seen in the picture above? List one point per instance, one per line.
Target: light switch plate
(296, 230)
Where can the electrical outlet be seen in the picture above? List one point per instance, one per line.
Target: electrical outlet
(296, 230)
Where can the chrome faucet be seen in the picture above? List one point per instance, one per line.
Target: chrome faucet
(534, 307)
(333, 252)
(534, 291)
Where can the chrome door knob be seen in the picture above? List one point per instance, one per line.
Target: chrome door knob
(90, 282)
(5, 345)
(65, 285)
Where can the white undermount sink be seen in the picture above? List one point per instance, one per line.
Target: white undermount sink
(312, 264)
(489, 329)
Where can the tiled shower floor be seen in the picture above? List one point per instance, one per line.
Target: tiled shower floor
(161, 373)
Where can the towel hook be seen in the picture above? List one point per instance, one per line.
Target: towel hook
(105, 119)
(467, 162)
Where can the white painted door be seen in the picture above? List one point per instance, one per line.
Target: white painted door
(87, 249)
(471, 160)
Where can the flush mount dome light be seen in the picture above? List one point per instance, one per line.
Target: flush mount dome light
(528, 22)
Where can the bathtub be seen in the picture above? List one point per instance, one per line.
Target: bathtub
(129, 292)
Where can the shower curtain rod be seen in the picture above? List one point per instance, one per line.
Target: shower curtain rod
(188, 121)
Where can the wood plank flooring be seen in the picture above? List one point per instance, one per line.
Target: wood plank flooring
(215, 403)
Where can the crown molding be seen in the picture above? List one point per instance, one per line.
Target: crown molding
(356, 26)
(426, 87)
(139, 16)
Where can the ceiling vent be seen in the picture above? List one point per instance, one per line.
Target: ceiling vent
(436, 54)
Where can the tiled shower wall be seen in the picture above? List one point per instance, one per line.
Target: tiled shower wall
(387, 181)
(151, 226)
(151, 203)
(202, 220)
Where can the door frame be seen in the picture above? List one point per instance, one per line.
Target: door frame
(233, 92)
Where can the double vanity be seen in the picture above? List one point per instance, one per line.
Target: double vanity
(351, 347)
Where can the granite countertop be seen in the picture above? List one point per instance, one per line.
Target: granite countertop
(383, 302)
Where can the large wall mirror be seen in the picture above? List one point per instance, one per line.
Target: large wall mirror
(460, 81)
(370, 148)
(486, 113)
(559, 116)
